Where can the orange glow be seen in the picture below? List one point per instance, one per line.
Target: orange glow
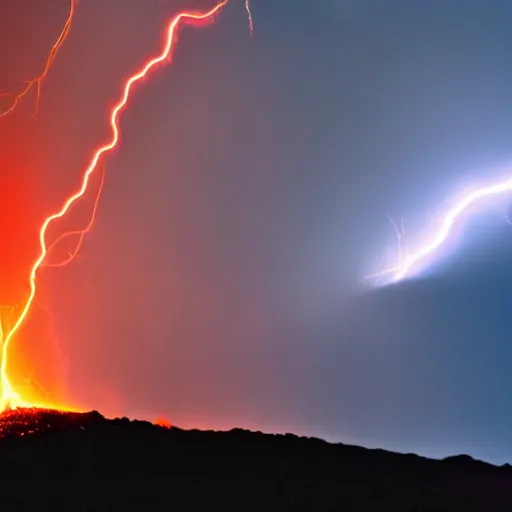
(16, 98)
(162, 422)
(10, 397)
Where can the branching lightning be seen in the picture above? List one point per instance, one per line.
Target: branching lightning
(9, 398)
(460, 211)
(399, 230)
(37, 82)
(79, 232)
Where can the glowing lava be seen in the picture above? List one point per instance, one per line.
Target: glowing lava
(9, 397)
(162, 422)
(15, 98)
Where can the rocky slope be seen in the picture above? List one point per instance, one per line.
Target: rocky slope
(74, 461)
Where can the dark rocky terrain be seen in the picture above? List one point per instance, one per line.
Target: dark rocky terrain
(71, 461)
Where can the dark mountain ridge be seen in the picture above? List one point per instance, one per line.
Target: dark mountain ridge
(84, 461)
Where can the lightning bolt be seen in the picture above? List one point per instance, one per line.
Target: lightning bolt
(249, 16)
(459, 211)
(9, 398)
(37, 82)
(80, 232)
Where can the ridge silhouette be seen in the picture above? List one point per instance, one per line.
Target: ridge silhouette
(84, 461)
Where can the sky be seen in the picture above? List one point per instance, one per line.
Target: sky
(222, 284)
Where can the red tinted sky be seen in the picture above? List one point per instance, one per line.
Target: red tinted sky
(42, 160)
(249, 191)
(34, 365)
(20, 207)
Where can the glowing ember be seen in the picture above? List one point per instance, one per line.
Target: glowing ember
(31, 420)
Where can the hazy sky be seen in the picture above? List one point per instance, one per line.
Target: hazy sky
(221, 285)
